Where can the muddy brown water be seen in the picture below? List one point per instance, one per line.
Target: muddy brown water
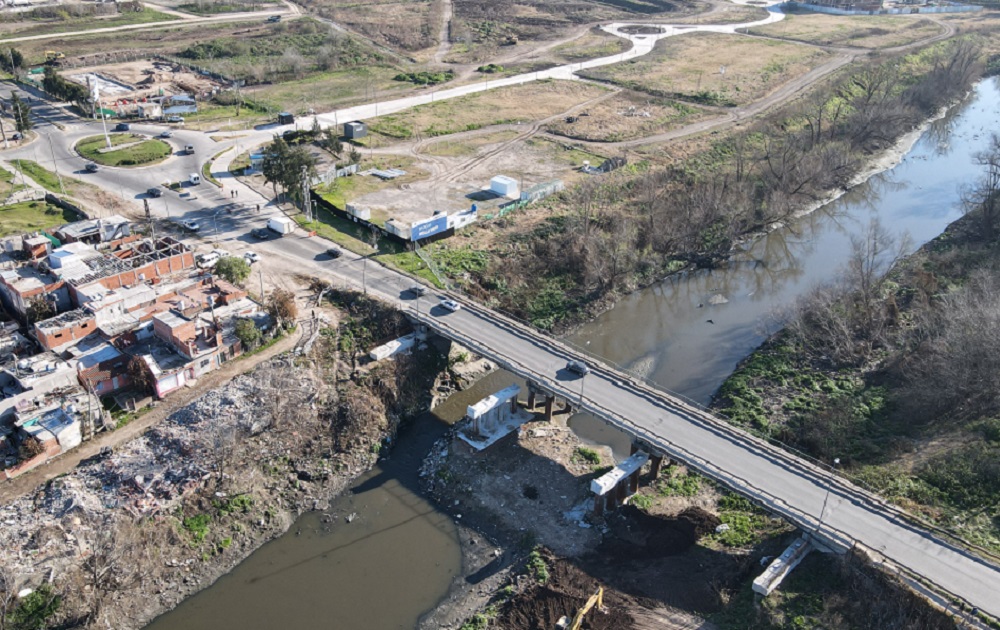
(398, 556)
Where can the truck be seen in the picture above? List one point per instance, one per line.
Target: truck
(281, 225)
(189, 149)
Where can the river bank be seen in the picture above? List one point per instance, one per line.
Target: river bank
(131, 533)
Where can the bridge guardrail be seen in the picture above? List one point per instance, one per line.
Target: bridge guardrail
(856, 486)
(837, 537)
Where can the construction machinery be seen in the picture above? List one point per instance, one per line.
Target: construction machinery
(597, 599)
(54, 55)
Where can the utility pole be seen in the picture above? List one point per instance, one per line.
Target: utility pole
(55, 164)
(306, 201)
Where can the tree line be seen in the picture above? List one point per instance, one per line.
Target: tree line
(630, 227)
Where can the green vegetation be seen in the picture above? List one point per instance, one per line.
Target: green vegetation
(136, 150)
(490, 68)
(240, 503)
(230, 6)
(44, 177)
(425, 78)
(588, 455)
(537, 567)
(673, 482)
(67, 24)
(198, 526)
(641, 501)
(28, 216)
(747, 524)
(34, 611)
(233, 269)
(248, 333)
(206, 169)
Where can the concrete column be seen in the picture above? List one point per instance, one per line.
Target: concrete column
(513, 404)
(569, 407)
(549, 401)
(633, 482)
(599, 502)
(621, 492)
(655, 463)
(531, 399)
(633, 449)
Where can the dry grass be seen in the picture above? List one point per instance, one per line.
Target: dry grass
(468, 146)
(593, 45)
(688, 67)
(627, 116)
(875, 32)
(726, 14)
(407, 25)
(516, 104)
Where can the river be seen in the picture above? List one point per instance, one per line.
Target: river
(398, 555)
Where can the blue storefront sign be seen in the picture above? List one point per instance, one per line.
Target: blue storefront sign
(420, 231)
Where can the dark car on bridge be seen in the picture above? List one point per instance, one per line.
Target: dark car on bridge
(154, 192)
(334, 252)
(578, 367)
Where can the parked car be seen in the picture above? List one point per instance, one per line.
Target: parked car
(334, 252)
(90, 167)
(166, 134)
(208, 260)
(191, 225)
(16, 135)
(175, 119)
(451, 305)
(123, 127)
(251, 257)
(418, 290)
(154, 192)
(578, 367)
(261, 233)
(274, 18)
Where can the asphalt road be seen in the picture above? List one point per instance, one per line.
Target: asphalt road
(788, 486)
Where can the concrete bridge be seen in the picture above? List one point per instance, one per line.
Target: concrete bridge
(832, 512)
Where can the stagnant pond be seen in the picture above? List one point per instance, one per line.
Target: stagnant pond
(395, 560)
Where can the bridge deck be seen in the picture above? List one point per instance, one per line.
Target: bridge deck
(783, 483)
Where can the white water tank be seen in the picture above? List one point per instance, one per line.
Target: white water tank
(505, 186)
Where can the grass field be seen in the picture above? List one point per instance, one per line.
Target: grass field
(27, 216)
(200, 7)
(140, 150)
(343, 190)
(516, 104)
(595, 44)
(47, 27)
(43, 176)
(408, 25)
(687, 67)
(324, 91)
(876, 31)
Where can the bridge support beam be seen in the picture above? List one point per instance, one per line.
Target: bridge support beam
(549, 402)
(531, 399)
(568, 408)
(655, 464)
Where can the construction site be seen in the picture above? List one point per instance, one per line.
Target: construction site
(138, 87)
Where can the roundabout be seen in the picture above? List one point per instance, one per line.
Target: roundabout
(127, 149)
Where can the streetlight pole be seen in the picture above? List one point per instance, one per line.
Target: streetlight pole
(836, 462)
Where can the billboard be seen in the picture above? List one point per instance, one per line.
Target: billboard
(430, 227)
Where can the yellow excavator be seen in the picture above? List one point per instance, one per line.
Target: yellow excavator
(597, 599)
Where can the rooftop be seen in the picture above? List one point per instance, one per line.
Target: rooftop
(76, 316)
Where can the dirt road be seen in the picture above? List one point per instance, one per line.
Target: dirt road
(65, 463)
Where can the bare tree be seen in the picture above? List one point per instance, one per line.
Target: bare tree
(983, 198)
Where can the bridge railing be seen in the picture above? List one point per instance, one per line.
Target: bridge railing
(871, 494)
(832, 536)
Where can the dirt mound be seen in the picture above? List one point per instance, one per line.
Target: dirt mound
(636, 534)
(547, 606)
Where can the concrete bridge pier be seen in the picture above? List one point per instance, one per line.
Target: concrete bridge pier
(549, 404)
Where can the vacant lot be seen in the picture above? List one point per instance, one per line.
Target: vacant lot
(877, 31)
(593, 45)
(627, 116)
(482, 30)
(18, 218)
(215, 7)
(516, 104)
(324, 91)
(407, 25)
(67, 23)
(725, 13)
(447, 147)
(135, 150)
(713, 68)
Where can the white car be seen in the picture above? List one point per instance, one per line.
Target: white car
(191, 225)
(451, 305)
(166, 134)
(251, 257)
(208, 260)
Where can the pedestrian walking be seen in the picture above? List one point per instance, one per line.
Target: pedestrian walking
(236, 193)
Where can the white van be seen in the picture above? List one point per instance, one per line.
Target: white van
(208, 260)
(194, 178)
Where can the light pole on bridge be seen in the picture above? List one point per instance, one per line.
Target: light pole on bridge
(822, 512)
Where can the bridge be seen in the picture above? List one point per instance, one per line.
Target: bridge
(832, 512)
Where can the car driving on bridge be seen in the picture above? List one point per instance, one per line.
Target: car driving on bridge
(451, 305)
(578, 367)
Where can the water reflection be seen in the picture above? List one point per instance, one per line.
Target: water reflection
(688, 332)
